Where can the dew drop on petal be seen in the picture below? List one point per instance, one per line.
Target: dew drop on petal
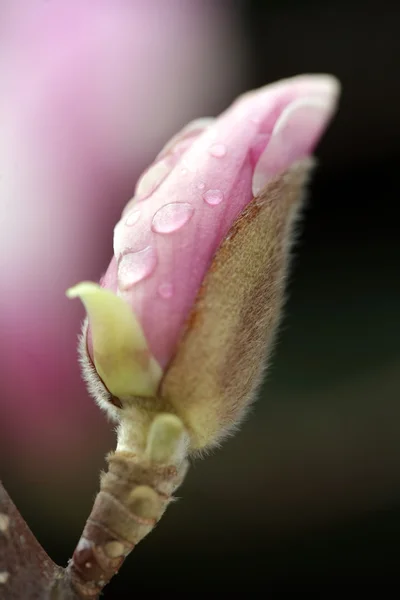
(213, 197)
(132, 218)
(184, 171)
(172, 217)
(166, 290)
(201, 185)
(136, 266)
(186, 136)
(218, 150)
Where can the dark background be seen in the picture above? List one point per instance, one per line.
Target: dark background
(309, 490)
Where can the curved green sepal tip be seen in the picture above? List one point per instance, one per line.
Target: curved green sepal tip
(120, 351)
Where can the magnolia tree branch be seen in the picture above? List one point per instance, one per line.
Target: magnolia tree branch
(133, 496)
(26, 571)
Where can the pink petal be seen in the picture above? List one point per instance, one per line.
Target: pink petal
(80, 89)
(190, 209)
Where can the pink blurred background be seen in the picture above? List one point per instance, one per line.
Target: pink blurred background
(90, 90)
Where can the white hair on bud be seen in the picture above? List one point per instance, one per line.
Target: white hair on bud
(95, 386)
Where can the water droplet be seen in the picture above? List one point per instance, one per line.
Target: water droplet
(171, 217)
(213, 197)
(218, 150)
(187, 135)
(166, 290)
(132, 218)
(136, 266)
(255, 120)
(201, 185)
(184, 171)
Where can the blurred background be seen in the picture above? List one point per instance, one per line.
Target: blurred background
(89, 92)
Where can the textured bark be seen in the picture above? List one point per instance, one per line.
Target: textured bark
(132, 499)
(26, 571)
(133, 496)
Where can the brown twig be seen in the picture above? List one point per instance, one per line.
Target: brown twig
(26, 571)
(133, 496)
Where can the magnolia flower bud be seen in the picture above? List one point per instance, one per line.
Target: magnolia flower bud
(184, 317)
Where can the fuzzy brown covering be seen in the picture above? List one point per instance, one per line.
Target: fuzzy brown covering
(229, 334)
